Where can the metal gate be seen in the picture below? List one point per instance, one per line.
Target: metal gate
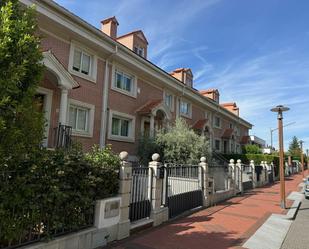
(140, 199)
(247, 177)
(183, 188)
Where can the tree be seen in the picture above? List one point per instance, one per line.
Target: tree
(180, 144)
(252, 149)
(21, 123)
(294, 147)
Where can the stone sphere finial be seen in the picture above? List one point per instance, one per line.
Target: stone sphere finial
(252, 162)
(232, 161)
(238, 161)
(123, 155)
(155, 157)
(203, 159)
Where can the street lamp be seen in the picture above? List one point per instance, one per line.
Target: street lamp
(280, 109)
(302, 157)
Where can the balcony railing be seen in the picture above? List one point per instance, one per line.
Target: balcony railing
(63, 136)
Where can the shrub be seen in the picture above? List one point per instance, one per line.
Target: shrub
(252, 149)
(180, 144)
(147, 146)
(105, 169)
(55, 191)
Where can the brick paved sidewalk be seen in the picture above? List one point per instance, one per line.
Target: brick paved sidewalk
(297, 237)
(227, 225)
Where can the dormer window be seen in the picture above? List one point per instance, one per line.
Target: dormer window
(139, 50)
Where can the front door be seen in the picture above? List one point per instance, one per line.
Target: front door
(224, 146)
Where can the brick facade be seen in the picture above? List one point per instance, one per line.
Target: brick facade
(151, 84)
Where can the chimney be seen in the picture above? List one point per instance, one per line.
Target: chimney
(211, 94)
(184, 75)
(232, 107)
(109, 27)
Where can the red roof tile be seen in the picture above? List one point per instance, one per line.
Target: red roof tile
(200, 124)
(228, 133)
(244, 140)
(149, 106)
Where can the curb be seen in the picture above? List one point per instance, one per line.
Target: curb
(275, 227)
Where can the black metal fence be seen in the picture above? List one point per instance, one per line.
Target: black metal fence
(183, 188)
(63, 136)
(29, 212)
(140, 199)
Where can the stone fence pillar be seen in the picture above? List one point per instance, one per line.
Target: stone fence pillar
(231, 180)
(239, 168)
(125, 178)
(159, 213)
(205, 182)
(254, 184)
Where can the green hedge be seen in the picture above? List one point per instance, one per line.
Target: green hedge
(257, 158)
(54, 191)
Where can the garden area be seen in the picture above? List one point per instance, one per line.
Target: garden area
(43, 193)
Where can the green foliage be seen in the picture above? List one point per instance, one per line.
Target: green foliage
(252, 149)
(257, 158)
(21, 124)
(55, 191)
(180, 144)
(294, 147)
(105, 169)
(147, 146)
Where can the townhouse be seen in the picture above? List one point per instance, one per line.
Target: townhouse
(102, 87)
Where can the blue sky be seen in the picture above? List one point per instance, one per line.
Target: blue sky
(255, 52)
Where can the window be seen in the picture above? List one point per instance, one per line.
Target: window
(121, 127)
(217, 122)
(169, 100)
(124, 83)
(231, 125)
(217, 144)
(81, 62)
(185, 108)
(78, 118)
(139, 51)
(81, 118)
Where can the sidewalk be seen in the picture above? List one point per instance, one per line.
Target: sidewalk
(297, 237)
(227, 225)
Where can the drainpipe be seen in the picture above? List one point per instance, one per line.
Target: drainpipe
(105, 100)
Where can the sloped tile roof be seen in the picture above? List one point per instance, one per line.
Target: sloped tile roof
(149, 106)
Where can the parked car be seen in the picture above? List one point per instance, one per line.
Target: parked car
(307, 188)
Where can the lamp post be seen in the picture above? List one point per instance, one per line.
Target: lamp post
(280, 109)
(307, 158)
(302, 157)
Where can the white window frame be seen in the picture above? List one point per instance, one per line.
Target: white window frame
(186, 115)
(90, 118)
(220, 145)
(120, 115)
(92, 76)
(133, 92)
(165, 93)
(214, 122)
(138, 50)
